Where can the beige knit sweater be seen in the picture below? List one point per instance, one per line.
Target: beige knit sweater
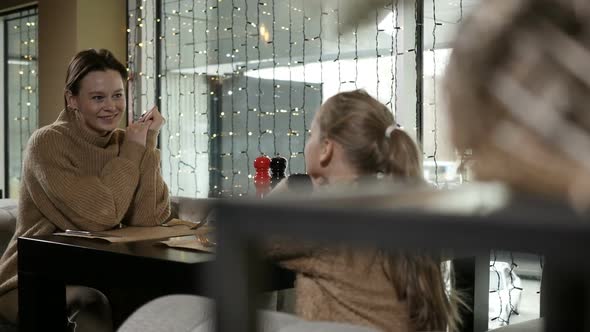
(72, 179)
(343, 284)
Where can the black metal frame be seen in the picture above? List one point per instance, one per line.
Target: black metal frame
(215, 126)
(420, 71)
(158, 58)
(542, 228)
(17, 10)
(6, 146)
(127, 25)
(6, 133)
(158, 43)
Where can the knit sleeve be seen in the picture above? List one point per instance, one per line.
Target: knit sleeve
(151, 204)
(89, 202)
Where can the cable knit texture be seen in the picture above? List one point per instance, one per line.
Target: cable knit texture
(342, 284)
(72, 179)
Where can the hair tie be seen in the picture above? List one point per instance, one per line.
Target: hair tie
(390, 130)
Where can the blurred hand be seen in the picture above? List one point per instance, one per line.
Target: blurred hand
(157, 120)
(281, 188)
(295, 184)
(137, 132)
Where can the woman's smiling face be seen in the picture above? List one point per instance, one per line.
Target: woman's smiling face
(100, 101)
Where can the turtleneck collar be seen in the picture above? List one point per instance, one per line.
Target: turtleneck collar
(73, 121)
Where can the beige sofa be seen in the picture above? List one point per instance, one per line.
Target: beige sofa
(191, 313)
(8, 212)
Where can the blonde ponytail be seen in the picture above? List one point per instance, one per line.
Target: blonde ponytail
(404, 156)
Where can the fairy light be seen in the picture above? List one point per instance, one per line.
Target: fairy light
(339, 27)
(290, 87)
(304, 44)
(321, 41)
(29, 52)
(194, 95)
(418, 49)
(156, 63)
(394, 74)
(133, 46)
(377, 55)
(180, 95)
(434, 103)
(232, 99)
(134, 62)
(356, 56)
(22, 98)
(27, 79)
(167, 94)
(274, 81)
(208, 92)
(143, 80)
(218, 96)
(259, 115)
(152, 81)
(247, 26)
(20, 82)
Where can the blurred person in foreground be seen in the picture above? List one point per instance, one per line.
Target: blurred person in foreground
(518, 91)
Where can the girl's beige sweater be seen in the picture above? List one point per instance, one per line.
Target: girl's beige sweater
(343, 284)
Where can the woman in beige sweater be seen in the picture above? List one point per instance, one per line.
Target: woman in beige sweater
(353, 136)
(83, 173)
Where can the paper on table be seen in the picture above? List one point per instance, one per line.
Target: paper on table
(175, 227)
(187, 242)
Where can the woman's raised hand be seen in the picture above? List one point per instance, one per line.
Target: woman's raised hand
(157, 120)
(137, 132)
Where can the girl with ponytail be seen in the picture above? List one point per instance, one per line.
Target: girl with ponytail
(355, 136)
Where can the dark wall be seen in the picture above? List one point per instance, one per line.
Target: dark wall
(11, 4)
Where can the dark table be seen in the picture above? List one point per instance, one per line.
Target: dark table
(130, 274)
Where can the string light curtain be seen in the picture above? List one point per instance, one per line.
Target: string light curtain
(20, 87)
(237, 79)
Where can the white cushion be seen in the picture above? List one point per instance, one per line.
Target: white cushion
(171, 313)
(8, 213)
(196, 314)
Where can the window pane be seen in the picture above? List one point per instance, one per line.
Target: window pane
(21, 89)
(243, 78)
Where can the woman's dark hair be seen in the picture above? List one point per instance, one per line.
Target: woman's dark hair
(88, 61)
